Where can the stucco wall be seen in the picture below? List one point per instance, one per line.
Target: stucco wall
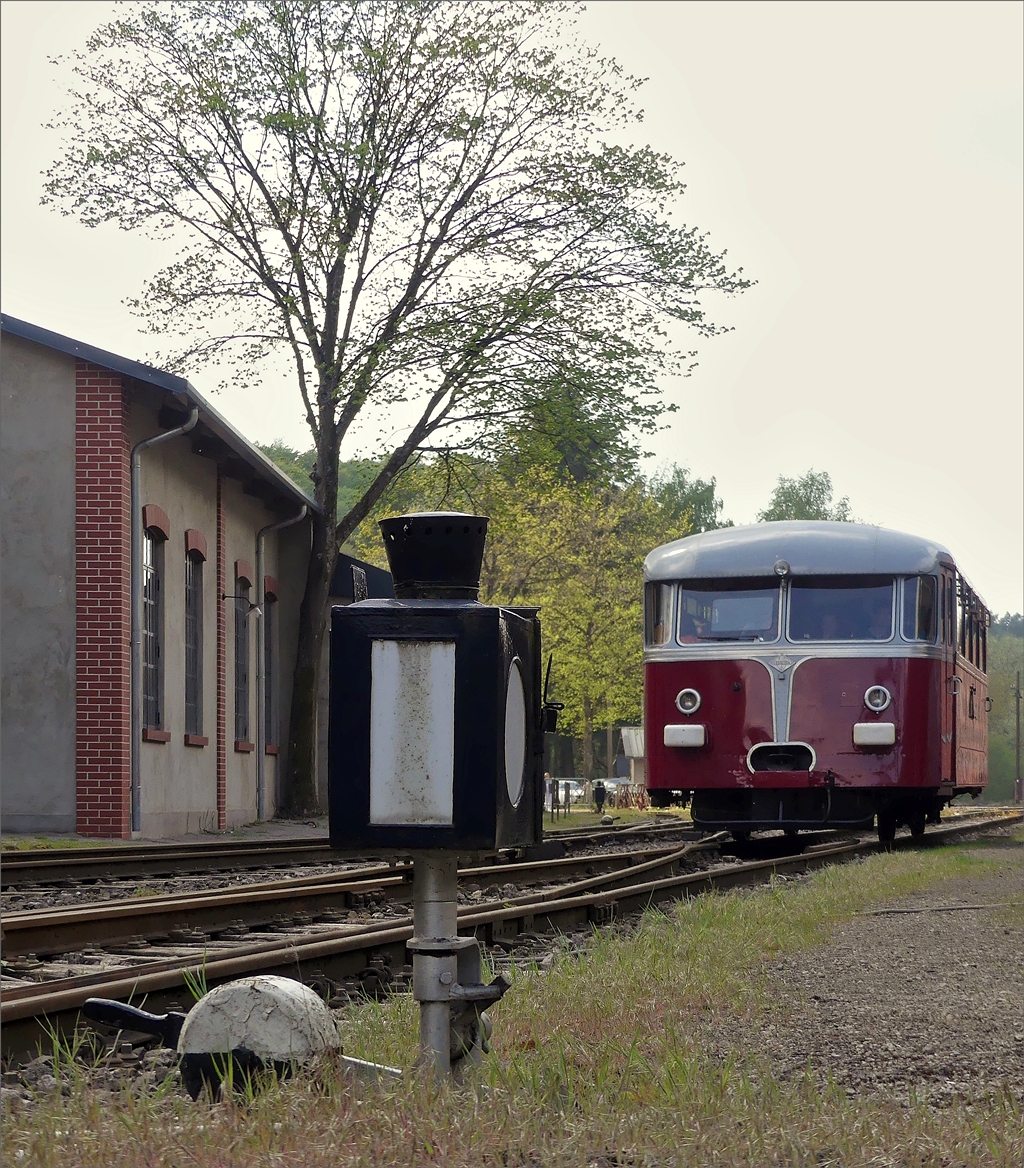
(179, 782)
(37, 590)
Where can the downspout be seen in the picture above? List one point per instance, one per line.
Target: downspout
(261, 658)
(136, 570)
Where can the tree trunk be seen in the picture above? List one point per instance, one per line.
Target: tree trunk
(301, 789)
(610, 744)
(588, 739)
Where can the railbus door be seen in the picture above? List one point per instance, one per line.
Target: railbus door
(951, 683)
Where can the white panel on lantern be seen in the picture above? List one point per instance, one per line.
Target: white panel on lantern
(412, 732)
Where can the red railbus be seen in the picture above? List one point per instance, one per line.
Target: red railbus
(803, 674)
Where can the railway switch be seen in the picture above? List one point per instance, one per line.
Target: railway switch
(436, 742)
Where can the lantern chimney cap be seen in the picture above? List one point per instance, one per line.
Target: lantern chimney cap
(435, 555)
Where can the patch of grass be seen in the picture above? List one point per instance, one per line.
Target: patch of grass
(32, 843)
(597, 1063)
(586, 816)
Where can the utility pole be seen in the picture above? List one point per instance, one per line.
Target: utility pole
(1018, 789)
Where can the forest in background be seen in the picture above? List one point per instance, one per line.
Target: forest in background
(1005, 660)
(571, 523)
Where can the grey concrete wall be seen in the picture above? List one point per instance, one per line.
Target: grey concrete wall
(37, 588)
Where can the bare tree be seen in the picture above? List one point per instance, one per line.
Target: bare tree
(411, 199)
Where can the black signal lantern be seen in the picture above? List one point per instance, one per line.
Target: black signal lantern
(436, 733)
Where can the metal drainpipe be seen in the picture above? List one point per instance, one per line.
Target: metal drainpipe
(136, 569)
(261, 678)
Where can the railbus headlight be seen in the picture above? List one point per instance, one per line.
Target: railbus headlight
(687, 701)
(877, 698)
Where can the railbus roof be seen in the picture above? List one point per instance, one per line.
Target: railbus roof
(809, 547)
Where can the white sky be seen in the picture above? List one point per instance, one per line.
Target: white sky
(863, 162)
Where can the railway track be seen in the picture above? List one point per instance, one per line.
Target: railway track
(62, 930)
(46, 866)
(371, 954)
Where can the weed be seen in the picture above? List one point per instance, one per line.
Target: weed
(195, 980)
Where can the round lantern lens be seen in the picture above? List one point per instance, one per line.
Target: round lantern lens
(688, 701)
(515, 734)
(877, 698)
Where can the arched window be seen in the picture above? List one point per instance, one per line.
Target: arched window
(153, 540)
(195, 554)
(243, 583)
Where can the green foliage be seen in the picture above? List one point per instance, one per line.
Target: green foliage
(298, 467)
(574, 548)
(688, 503)
(1011, 624)
(1005, 659)
(808, 497)
(578, 552)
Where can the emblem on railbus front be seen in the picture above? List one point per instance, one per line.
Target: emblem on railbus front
(782, 663)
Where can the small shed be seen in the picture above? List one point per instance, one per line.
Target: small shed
(633, 747)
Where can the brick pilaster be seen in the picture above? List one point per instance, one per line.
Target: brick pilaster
(222, 631)
(102, 604)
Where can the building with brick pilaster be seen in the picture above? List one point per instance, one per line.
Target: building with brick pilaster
(218, 561)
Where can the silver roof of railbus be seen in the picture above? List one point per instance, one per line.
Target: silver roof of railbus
(809, 547)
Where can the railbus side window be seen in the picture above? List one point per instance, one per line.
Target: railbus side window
(658, 613)
(920, 608)
(962, 621)
(942, 595)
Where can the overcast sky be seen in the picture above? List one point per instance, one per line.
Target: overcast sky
(862, 162)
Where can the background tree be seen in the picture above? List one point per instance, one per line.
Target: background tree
(808, 497)
(413, 202)
(689, 504)
(1005, 658)
(574, 549)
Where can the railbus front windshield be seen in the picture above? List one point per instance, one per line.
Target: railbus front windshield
(728, 610)
(841, 608)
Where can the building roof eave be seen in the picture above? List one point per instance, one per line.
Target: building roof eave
(171, 383)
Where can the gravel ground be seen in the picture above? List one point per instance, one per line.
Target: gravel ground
(926, 1003)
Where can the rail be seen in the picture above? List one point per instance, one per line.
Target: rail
(27, 1013)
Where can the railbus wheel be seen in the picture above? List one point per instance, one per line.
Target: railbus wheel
(886, 826)
(917, 819)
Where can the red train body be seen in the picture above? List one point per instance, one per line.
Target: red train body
(803, 674)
